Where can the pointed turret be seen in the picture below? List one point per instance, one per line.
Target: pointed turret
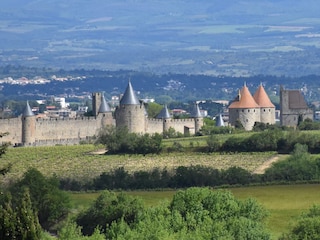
(27, 111)
(131, 113)
(28, 126)
(164, 113)
(104, 106)
(196, 111)
(129, 97)
(244, 109)
(245, 100)
(219, 121)
(261, 97)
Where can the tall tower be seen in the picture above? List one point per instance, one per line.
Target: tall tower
(96, 102)
(28, 126)
(198, 119)
(131, 112)
(267, 109)
(166, 117)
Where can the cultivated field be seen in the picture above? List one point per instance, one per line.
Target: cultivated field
(83, 162)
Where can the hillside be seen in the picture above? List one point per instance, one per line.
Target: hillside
(233, 38)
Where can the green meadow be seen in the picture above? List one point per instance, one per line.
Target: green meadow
(284, 202)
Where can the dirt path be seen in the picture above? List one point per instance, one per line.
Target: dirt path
(262, 168)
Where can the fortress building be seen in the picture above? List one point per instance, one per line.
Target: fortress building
(249, 109)
(28, 130)
(292, 107)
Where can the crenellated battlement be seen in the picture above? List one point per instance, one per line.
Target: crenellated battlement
(28, 130)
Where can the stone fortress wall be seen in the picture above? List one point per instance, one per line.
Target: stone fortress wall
(28, 130)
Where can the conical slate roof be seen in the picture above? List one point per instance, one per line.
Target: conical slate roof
(104, 106)
(27, 111)
(219, 121)
(196, 111)
(245, 100)
(261, 97)
(164, 113)
(129, 97)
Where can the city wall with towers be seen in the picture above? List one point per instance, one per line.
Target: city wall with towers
(28, 130)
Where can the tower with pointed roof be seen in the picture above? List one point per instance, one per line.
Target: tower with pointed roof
(166, 118)
(267, 109)
(244, 109)
(28, 126)
(131, 112)
(197, 116)
(105, 113)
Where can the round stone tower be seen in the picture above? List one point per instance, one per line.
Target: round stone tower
(267, 109)
(198, 119)
(104, 112)
(244, 109)
(131, 112)
(28, 126)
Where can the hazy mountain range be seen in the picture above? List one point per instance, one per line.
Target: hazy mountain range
(233, 37)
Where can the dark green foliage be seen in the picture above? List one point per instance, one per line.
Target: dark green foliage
(119, 140)
(153, 109)
(308, 124)
(264, 141)
(110, 207)
(267, 140)
(51, 204)
(195, 176)
(298, 167)
(236, 175)
(18, 219)
(181, 177)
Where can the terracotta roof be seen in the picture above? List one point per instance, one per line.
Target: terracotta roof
(261, 97)
(245, 100)
(129, 97)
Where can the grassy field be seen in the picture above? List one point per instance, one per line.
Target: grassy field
(285, 203)
(80, 162)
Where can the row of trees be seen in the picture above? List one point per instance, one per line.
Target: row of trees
(119, 140)
(269, 140)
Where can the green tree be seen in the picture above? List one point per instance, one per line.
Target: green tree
(3, 149)
(70, 231)
(119, 140)
(197, 213)
(110, 207)
(153, 109)
(307, 227)
(51, 204)
(18, 219)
